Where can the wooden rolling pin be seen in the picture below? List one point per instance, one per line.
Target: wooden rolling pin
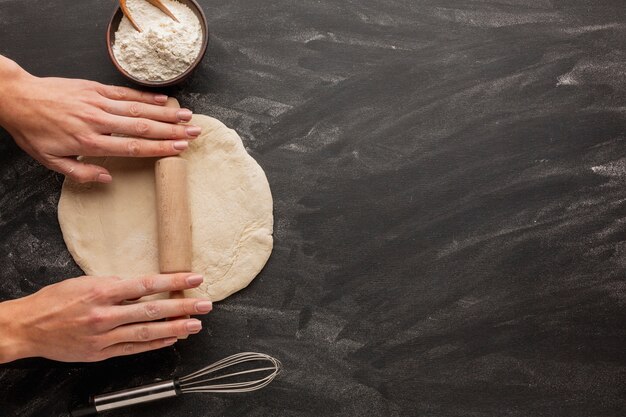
(173, 215)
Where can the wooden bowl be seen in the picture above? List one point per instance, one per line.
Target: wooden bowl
(115, 23)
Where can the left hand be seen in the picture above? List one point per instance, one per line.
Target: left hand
(86, 319)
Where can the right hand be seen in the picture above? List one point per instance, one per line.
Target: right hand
(88, 319)
(56, 119)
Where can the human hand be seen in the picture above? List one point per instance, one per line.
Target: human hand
(56, 119)
(87, 319)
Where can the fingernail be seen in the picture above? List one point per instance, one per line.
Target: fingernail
(204, 306)
(105, 178)
(181, 145)
(193, 130)
(170, 341)
(160, 98)
(193, 326)
(195, 280)
(184, 115)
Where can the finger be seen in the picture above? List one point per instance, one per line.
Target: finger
(130, 348)
(154, 284)
(80, 171)
(114, 92)
(145, 128)
(157, 310)
(122, 146)
(146, 332)
(147, 111)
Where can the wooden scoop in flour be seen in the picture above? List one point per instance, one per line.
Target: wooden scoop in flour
(173, 215)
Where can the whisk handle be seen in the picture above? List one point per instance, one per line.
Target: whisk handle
(88, 410)
(127, 397)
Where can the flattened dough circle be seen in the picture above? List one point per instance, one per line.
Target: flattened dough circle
(111, 229)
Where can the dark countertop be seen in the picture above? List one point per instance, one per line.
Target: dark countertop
(449, 180)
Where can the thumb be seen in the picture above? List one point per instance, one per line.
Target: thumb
(80, 171)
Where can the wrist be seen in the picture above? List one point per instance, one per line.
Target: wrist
(13, 341)
(11, 77)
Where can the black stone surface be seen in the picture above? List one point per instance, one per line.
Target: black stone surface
(449, 180)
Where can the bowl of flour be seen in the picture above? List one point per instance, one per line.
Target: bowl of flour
(165, 52)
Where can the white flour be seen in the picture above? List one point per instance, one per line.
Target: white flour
(165, 48)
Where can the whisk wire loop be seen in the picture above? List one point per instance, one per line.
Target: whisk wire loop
(191, 383)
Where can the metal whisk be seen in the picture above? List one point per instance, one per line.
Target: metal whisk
(207, 379)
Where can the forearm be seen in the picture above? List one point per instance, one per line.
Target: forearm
(12, 337)
(11, 74)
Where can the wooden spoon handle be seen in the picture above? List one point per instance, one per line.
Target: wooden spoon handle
(129, 16)
(159, 5)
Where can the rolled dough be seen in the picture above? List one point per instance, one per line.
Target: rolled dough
(111, 229)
